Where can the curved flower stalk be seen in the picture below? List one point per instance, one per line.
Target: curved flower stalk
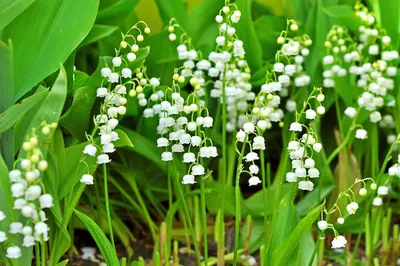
(248, 154)
(257, 144)
(302, 147)
(226, 67)
(340, 241)
(287, 72)
(30, 196)
(118, 78)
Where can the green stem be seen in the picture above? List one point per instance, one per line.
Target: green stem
(310, 263)
(237, 202)
(221, 240)
(187, 214)
(37, 254)
(110, 229)
(43, 251)
(339, 148)
(265, 194)
(204, 220)
(144, 208)
(66, 217)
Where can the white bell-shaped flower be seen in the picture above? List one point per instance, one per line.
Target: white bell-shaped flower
(306, 185)
(198, 170)
(352, 207)
(103, 158)
(195, 141)
(189, 157)
(295, 126)
(29, 241)
(251, 156)
(177, 148)
(254, 169)
(188, 180)
(33, 192)
(361, 134)
(13, 252)
(166, 156)
(313, 173)
(87, 179)
(322, 225)
(16, 228)
(259, 143)
(3, 236)
(339, 242)
(90, 149)
(254, 180)
(383, 190)
(377, 201)
(162, 142)
(291, 177)
(46, 201)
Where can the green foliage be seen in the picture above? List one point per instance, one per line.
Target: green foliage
(39, 51)
(100, 238)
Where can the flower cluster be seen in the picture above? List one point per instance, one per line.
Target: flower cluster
(286, 72)
(30, 196)
(226, 67)
(371, 60)
(340, 241)
(301, 148)
(182, 126)
(257, 144)
(117, 79)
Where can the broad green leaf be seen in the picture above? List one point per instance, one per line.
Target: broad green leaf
(317, 27)
(268, 29)
(49, 111)
(55, 30)
(163, 57)
(285, 250)
(255, 203)
(284, 220)
(172, 9)
(247, 33)
(390, 19)
(15, 112)
(76, 169)
(300, 9)
(123, 140)
(100, 238)
(63, 263)
(10, 9)
(114, 13)
(98, 32)
(344, 15)
(204, 13)
(145, 147)
(77, 118)
(6, 100)
(213, 200)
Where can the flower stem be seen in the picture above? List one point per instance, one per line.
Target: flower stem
(43, 251)
(204, 220)
(110, 229)
(221, 240)
(71, 203)
(187, 214)
(37, 254)
(237, 202)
